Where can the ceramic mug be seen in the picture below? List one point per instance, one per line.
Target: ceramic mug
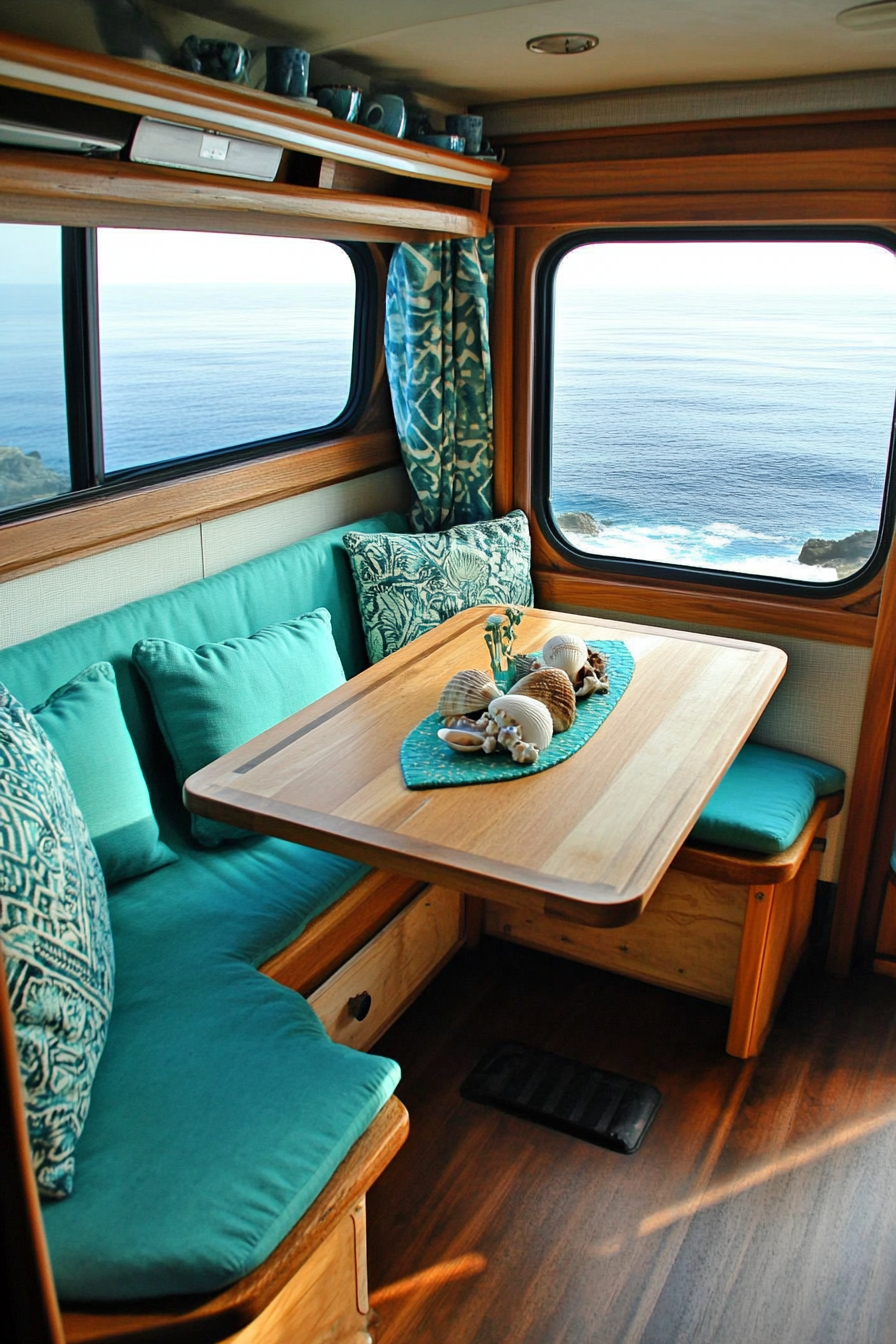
(385, 113)
(287, 71)
(470, 127)
(343, 100)
(453, 143)
(217, 60)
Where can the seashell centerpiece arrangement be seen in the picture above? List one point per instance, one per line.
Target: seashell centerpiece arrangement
(525, 700)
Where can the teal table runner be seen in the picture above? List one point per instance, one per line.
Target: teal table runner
(429, 763)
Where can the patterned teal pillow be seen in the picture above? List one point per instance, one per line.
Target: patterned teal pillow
(57, 943)
(409, 583)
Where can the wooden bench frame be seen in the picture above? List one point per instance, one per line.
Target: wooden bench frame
(723, 925)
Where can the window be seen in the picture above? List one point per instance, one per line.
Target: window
(34, 461)
(719, 404)
(135, 352)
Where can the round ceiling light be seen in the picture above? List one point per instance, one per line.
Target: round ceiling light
(564, 44)
(880, 14)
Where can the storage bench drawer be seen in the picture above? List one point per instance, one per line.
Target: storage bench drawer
(365, 996)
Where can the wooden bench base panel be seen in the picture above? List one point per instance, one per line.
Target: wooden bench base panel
(326, 1301)
(728, 942)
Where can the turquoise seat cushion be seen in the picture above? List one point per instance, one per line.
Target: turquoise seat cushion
(212, 699)
(236, 602)
(57, 943)
(220, 1108)
(410, 584)
(84, 722)
(765, 799)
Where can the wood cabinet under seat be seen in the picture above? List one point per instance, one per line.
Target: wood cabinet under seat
(363, 998)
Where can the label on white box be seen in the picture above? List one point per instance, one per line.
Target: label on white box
(214, 147)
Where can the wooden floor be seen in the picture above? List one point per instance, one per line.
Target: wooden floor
(761, 1208)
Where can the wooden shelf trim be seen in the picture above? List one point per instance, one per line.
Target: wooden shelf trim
(158, 91)
(101, 524)
(773, 615)
(38, 179)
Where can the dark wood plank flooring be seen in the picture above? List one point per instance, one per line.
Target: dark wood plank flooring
(761, 1208)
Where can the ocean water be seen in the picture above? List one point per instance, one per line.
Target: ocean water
(185, 369)
(722, 430)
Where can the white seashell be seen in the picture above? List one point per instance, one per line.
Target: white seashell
(467, 692)
(567, 652)
(530, 716)
(524, 753)
(462, 740)
(553, 688)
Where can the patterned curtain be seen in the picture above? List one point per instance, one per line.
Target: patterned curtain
(440, 373)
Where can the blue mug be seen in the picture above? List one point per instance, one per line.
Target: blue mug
(343, 100)
(470, 127)
(217, 60)
(386, 113)
(287, 71)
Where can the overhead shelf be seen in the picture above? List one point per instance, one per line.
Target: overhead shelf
(333, 171)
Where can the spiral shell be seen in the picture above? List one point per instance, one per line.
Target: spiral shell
(567, 652)
(531, 716)
(467, 692)
(523, 664)
(553, 689)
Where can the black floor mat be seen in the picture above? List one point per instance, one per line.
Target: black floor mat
(600, 1107)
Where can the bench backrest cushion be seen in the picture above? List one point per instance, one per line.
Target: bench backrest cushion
(236, 602)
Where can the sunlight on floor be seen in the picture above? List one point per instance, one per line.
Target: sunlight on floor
(464, 1267)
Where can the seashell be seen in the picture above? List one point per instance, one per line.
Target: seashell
(467, 692)
(462, 740)
(523, 664)
(554, 689)
(524, 753)
(530, 716)
(567, 652)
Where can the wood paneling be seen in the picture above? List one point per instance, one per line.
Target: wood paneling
(862, 819)
(770, 207)
(87, 528)
(706, 606)
(392, 969)
(688, 937)
(501, 331)
(41, 187)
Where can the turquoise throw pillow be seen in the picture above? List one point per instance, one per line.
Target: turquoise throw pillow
(408, 584)
(214, 698)
(57, 943)
(84, 722)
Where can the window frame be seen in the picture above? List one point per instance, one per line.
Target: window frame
(83, 399)
(542, 405)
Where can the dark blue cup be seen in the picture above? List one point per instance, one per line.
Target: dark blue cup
(287, 71)
(470, 127)
(215, 59)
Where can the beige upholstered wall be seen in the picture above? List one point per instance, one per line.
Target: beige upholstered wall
(32, 605)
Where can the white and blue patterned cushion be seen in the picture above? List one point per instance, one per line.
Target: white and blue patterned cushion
(409, 583)
(57, 943)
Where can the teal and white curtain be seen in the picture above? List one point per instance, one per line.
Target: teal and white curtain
(440, 373)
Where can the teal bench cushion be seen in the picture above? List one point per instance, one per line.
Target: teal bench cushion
(220, 1109)
(765, 799)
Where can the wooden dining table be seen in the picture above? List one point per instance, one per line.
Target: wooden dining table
(588, 839)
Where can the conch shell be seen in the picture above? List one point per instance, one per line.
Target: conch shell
(554, 690)
(592, 677)
(530, 716)
(567, 652)
(467, 692)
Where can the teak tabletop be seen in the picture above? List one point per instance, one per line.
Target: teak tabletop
(588, 839)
